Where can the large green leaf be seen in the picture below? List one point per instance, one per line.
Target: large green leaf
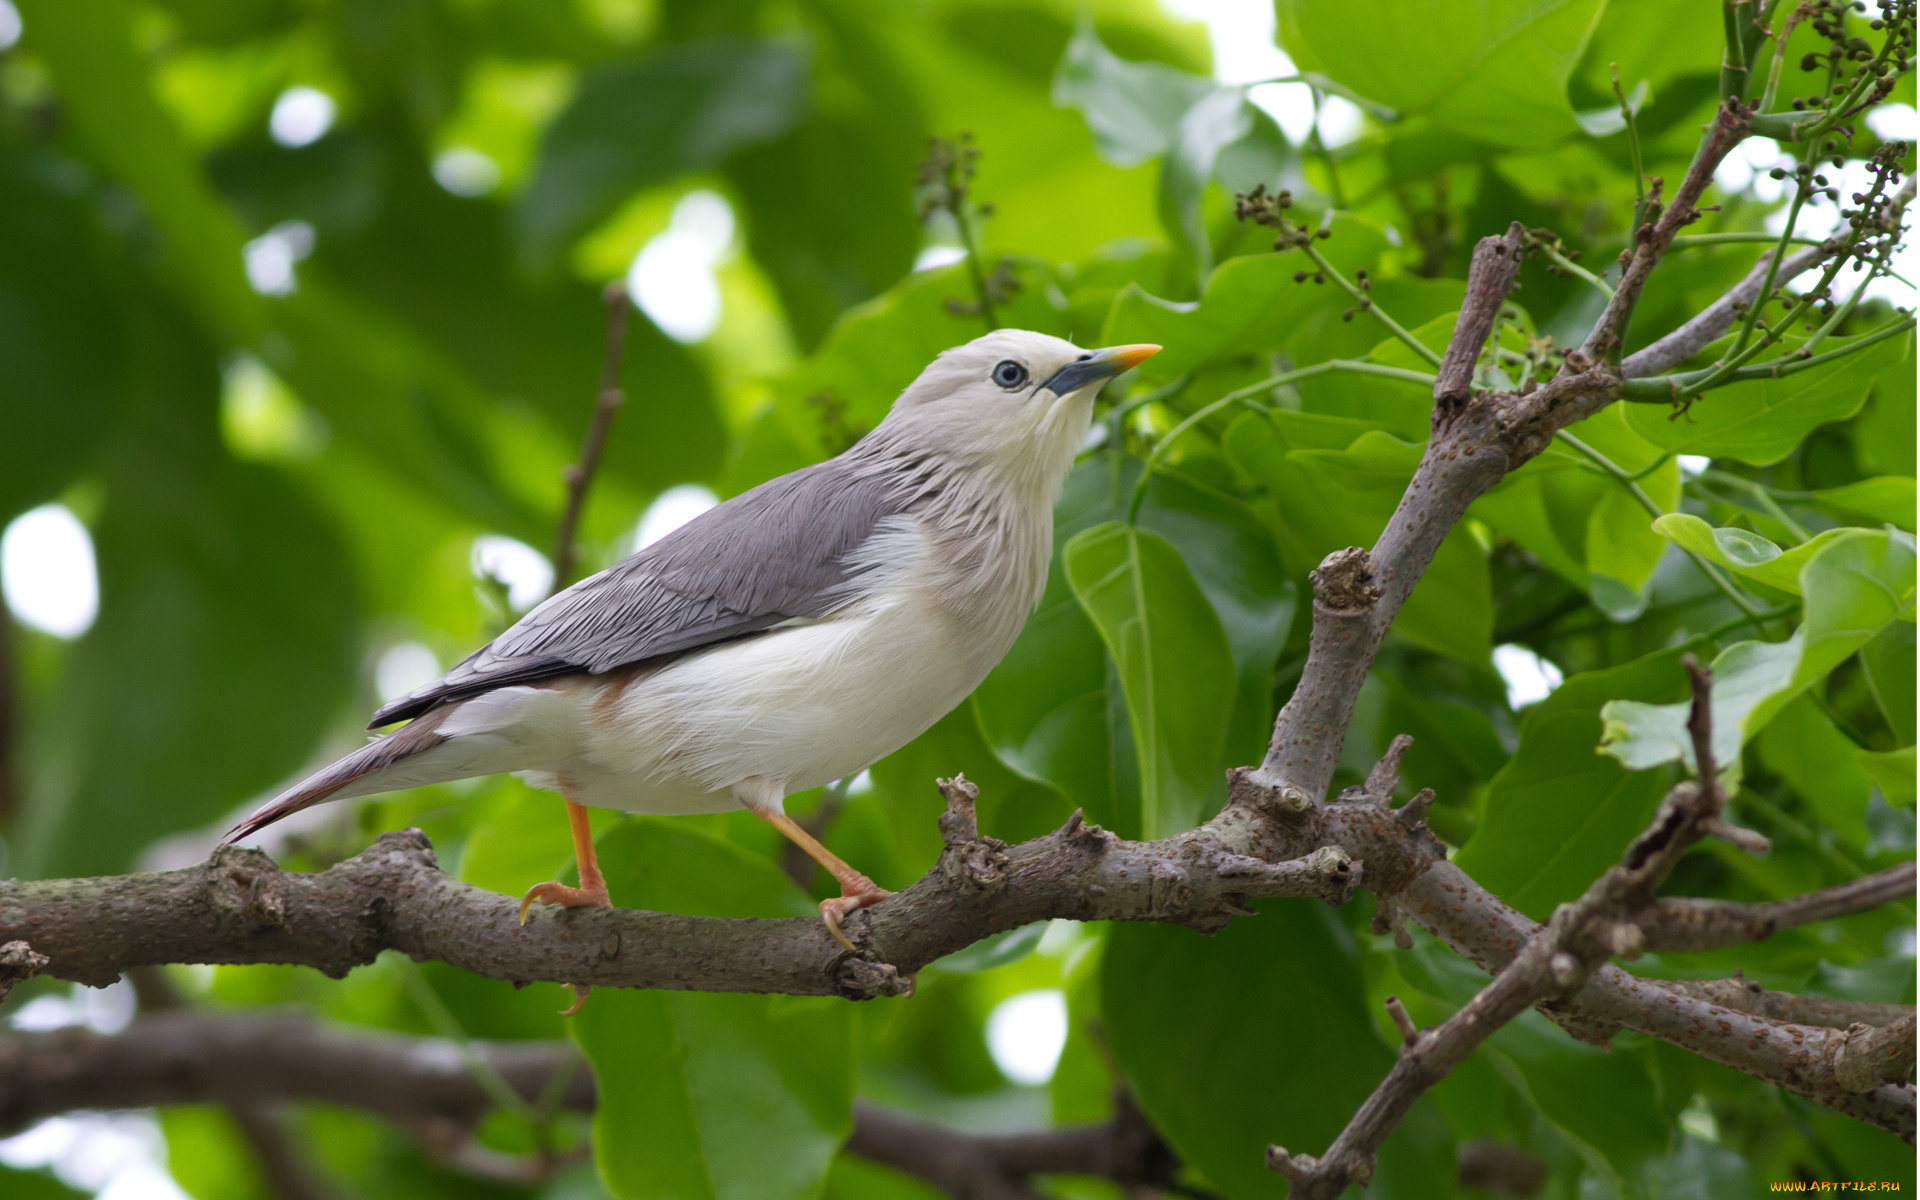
(1044, 708)
(1885, 499)
(1558, 814)
(1852, 588)
(1803, 747)
(1747, 552)
(829, 203)
(227, 637)
(1218, 1035)
(62, 328)
(1174, 662)
(1497, 71)
(1892, 771)
(706, 1096)
(1889, 661)
(1133, 108)
(1250, 304)
(1761, 421)
(105, 90)
(643, 122)
(1582, 524)
(1327, 499)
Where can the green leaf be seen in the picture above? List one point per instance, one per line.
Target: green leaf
(1174, 662)
(1330, 499)
(1892, 770)
(1746, 552)
(226, 603)
(1883, 434)
(1802, 746)
(1582, 524)
(1761, 421)
(1216, 121)
(637, 123)
(1210, 1029)
(1496, 71)
(1852, 587)
(1133, 108)
(105, 90)
(1889, 661)
(1558, 815)
(62, 329)
(710, 1096)
(1885, 499)
(829, 213)
(1250, 304)
(1044, 709)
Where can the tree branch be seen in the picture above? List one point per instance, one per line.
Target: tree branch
(1686, 924)
(1743, 995)
(239, 907)
(1558, 962)
(252, 1061)
(1707, 326)
(606, 405)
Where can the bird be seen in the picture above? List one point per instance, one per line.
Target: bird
(789, 637)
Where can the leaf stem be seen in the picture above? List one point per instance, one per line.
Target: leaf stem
(1633, 149)
(1668, 388)
(1366, 303)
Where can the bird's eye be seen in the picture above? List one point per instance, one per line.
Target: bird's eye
(1009, 374)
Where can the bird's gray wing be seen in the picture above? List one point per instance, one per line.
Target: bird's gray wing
(772, 554)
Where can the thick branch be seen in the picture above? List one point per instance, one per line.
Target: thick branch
(1744, 995)
(238, 907)
(255, 1059)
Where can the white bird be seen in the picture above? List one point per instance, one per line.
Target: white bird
(782, 640)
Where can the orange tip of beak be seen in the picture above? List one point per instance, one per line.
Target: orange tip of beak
(1133, 356)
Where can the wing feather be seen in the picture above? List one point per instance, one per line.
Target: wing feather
(776, 553)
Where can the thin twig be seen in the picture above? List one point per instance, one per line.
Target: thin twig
(579, 477)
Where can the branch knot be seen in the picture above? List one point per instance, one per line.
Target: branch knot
(1343, 582)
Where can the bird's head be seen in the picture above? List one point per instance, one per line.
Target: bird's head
(1013, 397)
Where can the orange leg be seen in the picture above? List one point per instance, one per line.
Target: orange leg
(592, 892)
(856, 890)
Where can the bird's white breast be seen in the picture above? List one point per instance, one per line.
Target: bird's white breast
(810, 703)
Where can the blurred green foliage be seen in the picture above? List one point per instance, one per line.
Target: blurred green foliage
(284, 476)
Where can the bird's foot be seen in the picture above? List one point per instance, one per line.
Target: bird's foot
(565, 897)
(855, 895)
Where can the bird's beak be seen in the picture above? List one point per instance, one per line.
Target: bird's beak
(1096, 365)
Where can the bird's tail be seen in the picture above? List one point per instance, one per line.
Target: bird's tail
(328, 782)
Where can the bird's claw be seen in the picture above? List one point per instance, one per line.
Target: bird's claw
(850, 900)
(564, 896)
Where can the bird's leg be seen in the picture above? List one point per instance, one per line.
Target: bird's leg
(592, 892)
(762, 797)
